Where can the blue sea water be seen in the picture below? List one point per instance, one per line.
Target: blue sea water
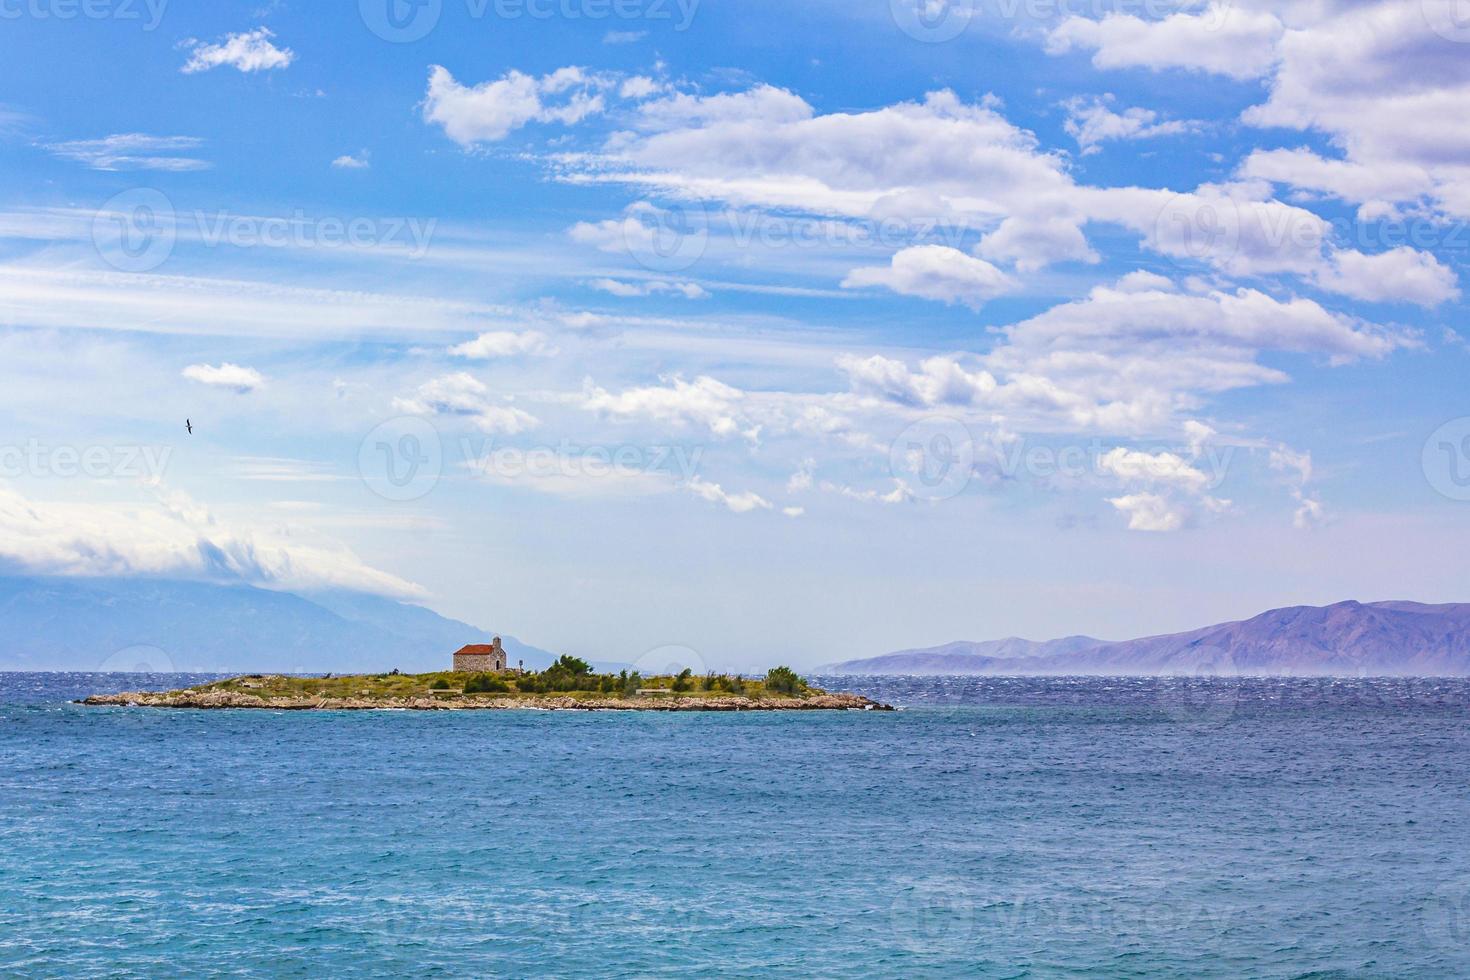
(992, 828)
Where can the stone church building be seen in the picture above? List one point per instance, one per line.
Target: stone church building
(478, 657)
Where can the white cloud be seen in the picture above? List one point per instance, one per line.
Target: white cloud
(1224, 39)
(763, 104)
(464, 396)
(936, 272)
(740, 503)
(939, 380)
(900, 494)
(134, 151)
(490, 111)
(226, 375)
(246, 52)
(1150, 512)
(173, 536)
(1379, 80)
(1165, 468)
(1245, 318)
(349, 162)
(651, 287)
(504, 343)
(1400, 274)
(639, 87)
(1092, 122)
(704, 402)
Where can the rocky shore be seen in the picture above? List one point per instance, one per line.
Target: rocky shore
(215, 699)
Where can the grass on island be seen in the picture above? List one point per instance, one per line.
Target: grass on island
(568, 677)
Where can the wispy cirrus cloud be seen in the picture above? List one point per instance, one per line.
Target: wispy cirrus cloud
(134, 151)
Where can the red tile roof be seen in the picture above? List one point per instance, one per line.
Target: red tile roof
(480, 649)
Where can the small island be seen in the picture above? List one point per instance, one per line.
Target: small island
(568, 684)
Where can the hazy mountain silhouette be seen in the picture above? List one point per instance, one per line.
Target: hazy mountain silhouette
(1344, 639)
(133, 624)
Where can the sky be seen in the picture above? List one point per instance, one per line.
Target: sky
(791, 332)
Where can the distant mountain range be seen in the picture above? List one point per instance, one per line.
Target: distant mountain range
(1347, 638)
(155, 625)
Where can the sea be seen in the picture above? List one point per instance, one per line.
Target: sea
(992, 827)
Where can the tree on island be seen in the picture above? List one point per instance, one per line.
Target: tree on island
(575, 666)
(784, 680)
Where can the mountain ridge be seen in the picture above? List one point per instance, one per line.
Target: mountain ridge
(165, 625)
(1388, 638)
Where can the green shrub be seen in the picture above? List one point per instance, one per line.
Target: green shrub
(439, 684)
(485, 684)
(783, 680)
(571, 665)
(683, 683)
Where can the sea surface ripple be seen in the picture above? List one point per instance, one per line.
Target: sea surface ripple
(995, 827)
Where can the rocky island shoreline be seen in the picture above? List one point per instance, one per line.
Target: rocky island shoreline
(556, 689)
(231, 699)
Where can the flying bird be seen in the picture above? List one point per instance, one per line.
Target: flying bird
(189, 424)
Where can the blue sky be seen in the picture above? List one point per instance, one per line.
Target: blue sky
(772, 331)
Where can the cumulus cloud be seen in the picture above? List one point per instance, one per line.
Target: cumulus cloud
(504, 343)
(349, 162)
(740, 503)
(703, 402)
(1401, 274)
(1379, 80)
(464, 396)
(232, 376)
(1165, 468)
(1223, 39)
(936, 272)
(1149, 512)
(767, 149)
(173, 536)
(248, 52)
(491, 111)
(1091, 121)
(938, 380)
